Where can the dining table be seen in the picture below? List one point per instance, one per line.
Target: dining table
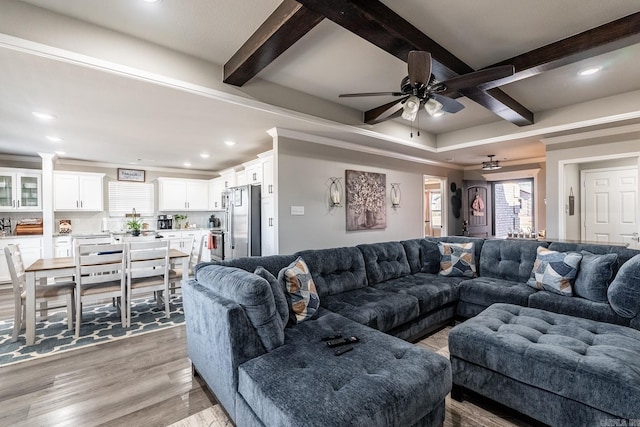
(45, 268)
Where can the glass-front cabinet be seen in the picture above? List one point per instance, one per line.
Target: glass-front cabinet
(20, 190)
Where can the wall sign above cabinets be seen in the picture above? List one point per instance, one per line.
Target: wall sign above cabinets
(135, 175)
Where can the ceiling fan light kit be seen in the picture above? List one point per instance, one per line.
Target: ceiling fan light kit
(491, 165)
(421, 87)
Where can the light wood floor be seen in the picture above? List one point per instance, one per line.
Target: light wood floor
(146, 381)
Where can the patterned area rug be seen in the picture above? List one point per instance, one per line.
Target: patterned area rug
(100, 323)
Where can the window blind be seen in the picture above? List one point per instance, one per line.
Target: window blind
(126, 196)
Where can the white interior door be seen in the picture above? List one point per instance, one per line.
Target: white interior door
(611, 206)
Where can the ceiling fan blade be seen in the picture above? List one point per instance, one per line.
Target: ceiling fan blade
(419, 63)
(384, 112)
(477, 78)
(353, 95)
(448, 104)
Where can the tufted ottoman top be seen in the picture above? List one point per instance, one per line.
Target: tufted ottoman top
(384, 381)
(595, 363)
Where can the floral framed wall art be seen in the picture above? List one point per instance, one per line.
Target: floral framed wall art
(366, 207)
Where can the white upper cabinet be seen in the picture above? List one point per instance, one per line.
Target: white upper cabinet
(253, 172)
(77, 191)
(267, 176)
(228, 178)
(20, 190)
(216, 187)
(183, 194)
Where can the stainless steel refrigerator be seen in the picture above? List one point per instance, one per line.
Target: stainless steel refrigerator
(243, 231)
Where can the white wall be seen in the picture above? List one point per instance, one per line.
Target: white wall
(304, 169)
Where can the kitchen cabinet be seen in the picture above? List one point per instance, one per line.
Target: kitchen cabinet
(20, 190)
(30, 247)
(77, 191)
(267, 176)
(253, 172)
(228, 178)
(241, 178)
(181, 240)
(183, 194)
(216, 187)
(268, 227)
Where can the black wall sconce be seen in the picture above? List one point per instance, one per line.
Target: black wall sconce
(395, 195)
(335, 192)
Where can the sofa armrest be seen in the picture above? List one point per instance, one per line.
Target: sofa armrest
(219, 339)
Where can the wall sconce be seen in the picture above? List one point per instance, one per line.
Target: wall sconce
(395, 195)
(335, 192)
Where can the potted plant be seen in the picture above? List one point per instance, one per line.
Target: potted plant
(178, 218)
(134, 225)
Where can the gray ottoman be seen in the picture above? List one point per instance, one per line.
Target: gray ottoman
(560, 370)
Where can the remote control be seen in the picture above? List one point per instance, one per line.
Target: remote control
(342, 341)
(343, 351)
(332, 337)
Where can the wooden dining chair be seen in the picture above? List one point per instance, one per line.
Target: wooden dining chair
(195, 255)
(100, 274)
(148, 271)
(44, 293)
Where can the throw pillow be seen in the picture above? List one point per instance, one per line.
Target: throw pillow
(594, 276)
(457, 259)
(278, 293)
(624, 292)
(554, 271)
(297, 280)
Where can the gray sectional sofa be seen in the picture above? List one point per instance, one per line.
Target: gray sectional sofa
(266, 369)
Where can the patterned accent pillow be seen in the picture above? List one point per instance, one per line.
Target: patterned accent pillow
(457, 259)
(554, 271)
(297, 281)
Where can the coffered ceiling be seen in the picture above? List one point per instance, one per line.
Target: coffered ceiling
(132, 80)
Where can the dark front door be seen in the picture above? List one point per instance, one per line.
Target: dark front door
(476, 208)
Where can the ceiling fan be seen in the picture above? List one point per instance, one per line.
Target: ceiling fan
(420, 87)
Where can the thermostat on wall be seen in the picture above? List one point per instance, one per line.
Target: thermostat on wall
(297, 210)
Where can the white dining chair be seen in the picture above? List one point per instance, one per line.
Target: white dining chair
(100, 274)
(62, 292)
(195, 255)
(148, 271)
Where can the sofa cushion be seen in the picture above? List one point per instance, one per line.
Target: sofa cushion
(383, 381)
(336, 270)
(297, 280)
(594, 276)
(555, 271)
(478, 242)
(508, 259)
(594, 363)
(253, 294)
(457, 259)
(273, 263)
(431, 290)
(485, 291)
(624, 291)
(384, 261)
(578, 307)
(279, 294)
(423, 255)
(373, 307)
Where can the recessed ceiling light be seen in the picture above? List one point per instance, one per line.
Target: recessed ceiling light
(589, 71)
(204, 155)
(43, 116)
(230, 143)
(54, 138)
(151, 1)
(60, 153)
(187, 164)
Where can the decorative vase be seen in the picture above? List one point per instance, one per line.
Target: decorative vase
(369, 218)
(135, 232)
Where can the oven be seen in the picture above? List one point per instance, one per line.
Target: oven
(216, 244)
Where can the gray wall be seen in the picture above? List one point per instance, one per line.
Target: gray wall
(304, 169)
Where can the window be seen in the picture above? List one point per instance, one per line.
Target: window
(513, 207)
(126, 196)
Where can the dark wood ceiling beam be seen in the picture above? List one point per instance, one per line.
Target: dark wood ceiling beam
(286, 25)
(381, 26)
(596, 41)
